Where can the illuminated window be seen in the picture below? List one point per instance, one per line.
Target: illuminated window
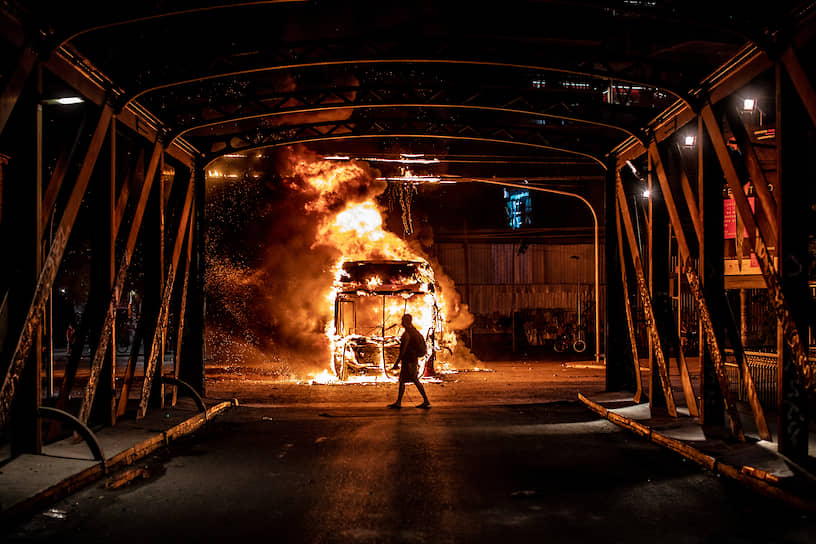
(518, 207)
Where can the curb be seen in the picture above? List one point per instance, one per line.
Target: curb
(756, 479)
(79, 480)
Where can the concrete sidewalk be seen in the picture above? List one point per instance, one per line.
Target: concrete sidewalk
(30, 482)
(755, 463)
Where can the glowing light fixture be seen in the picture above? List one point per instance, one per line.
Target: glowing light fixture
(689, 140)
(749, 104)
(65, 101)
(646, 193)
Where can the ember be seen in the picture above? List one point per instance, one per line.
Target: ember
(328, 286)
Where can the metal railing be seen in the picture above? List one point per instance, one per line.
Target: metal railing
(762, 367)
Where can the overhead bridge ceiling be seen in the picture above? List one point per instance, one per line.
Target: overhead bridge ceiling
(560, 82)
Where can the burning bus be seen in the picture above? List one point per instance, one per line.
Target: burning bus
(371, 296)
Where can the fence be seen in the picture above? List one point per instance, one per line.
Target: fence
(762, 367)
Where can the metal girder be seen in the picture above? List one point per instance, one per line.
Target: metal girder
(323, 59)
(130, 370)
(691, 204)
(645, 298)
(801, 81)
(760, 248)
(630, 324)
(541, 104)
(51, 265)
(55, 182)
(755, 173)
(408, 128)
(183, 303)
(744, 67)
(71, 70)
(116, 292)
(156, 354)
(740, 70)
(14, 85)
(103, 24)
(693, 278)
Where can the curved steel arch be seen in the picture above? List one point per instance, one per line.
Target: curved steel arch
(323, 64)
(318, 109)
(212, 157)
(172, 14)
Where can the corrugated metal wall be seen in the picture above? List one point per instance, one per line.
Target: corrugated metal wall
(500, 279)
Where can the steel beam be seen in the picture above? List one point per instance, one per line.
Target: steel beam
(183, 303)
(795, 145)
(630, 323)
(691, 204)
(419, 136)
(646, 300)
(15, 84)
(58, 175)
(51, 266)
(760, 248)
(106, 276)
(116, 292)
(801, 82)
(192, 364)
(755, 173)
(130, 371)
(135, 118)
(156, 353)
(714, 349)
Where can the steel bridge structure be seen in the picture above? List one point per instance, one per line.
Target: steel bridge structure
(111, 115)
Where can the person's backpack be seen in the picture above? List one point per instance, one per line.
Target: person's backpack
(416, 344)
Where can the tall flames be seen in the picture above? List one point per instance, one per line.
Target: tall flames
(282, 302)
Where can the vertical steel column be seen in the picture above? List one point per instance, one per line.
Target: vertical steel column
(630, 322)
(710, 202)
(121, 275)
(758, 240)
(22, 231)
(705, 317)
(621, 375)
(154, 363)
(660, 394)
(794, 174)
(800, 81)
(183, 303)
(14, 85)
(194, 356)
(38, 229)
(49, 271)
(105, 406)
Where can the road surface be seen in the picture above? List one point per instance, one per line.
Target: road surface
(506, 455)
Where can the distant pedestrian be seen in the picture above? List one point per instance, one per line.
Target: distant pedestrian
(70, 333)
(412, 347)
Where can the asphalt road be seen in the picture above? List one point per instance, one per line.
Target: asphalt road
(496, 459)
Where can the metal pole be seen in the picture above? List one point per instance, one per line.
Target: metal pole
(597, 260)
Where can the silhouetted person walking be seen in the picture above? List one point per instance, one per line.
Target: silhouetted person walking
(412, 347)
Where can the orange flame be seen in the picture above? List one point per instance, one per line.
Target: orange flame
(356, 231)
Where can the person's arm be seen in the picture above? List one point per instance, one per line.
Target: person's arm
(403, 349)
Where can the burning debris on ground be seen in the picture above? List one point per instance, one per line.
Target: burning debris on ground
(283, 230)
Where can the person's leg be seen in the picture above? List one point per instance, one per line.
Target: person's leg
(421, 390)
(400, 392)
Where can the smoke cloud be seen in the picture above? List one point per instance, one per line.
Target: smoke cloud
(270, 261)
